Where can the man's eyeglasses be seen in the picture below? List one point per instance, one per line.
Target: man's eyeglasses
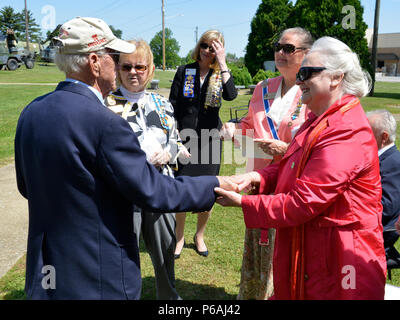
(128, 67)
(305, 73)
(205, 46)
(113, 54)
(287, 48)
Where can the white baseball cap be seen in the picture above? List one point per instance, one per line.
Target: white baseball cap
(83, 35)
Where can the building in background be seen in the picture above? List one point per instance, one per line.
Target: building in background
(388, 53)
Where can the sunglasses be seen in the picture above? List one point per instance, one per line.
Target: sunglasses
(205, 46)
(305, 73)
(128, 67)
(287, 47)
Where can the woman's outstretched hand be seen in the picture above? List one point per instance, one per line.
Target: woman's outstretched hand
(228, 198)
(272, 146)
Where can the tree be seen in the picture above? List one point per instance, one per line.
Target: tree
(231, 58)
(269, 20)
(172, 47)
(35, 33)
(9, 19)
(241, 76)
(188, 59)
(117, 32)
(335, 18)
(51, 34)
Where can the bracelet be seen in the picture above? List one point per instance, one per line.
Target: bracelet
(224, 71)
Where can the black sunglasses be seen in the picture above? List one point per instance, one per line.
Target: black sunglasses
(129, 67)
(205, 46)
(305, 73)
(287, 47)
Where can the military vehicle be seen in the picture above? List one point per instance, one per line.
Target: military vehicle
(48, 53)
(11, 56)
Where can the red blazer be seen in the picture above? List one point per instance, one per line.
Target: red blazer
(338, 199)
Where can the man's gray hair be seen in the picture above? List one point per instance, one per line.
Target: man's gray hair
(307, 39)
(383, 120)
(73, 63)
(337, 57)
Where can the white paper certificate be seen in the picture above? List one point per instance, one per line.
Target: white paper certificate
(251, 149)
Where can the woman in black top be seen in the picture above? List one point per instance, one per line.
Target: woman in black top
(196, 94)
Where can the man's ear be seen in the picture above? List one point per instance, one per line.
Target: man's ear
(385, 138)
(94, 64)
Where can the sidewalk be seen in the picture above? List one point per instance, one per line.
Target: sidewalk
(13, 220)
(387, 79)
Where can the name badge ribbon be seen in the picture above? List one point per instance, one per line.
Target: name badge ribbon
(188, 88)
(271, 124)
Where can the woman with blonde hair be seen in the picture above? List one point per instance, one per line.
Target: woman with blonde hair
(196, 95)
(151, 118)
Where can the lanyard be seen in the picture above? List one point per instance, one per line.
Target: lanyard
(271, 124)
(162, 114)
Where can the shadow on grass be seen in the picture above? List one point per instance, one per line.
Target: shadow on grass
(187, 290)
(15, 295)
(386, 95)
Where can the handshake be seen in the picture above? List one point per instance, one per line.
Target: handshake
(229, 188)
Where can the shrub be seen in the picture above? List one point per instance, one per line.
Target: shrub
(241, 76)
(262, 75)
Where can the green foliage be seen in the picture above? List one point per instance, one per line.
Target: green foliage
(51, 34)
(172, 47)
(9, 19)
(263, 74)
(34, 28)
(269, 20)
(241, 76)
(188, 59)
(325, 18)
(321, 18)
(117, 32)
(231, 58)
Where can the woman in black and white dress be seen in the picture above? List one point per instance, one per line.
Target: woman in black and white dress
(151, 117)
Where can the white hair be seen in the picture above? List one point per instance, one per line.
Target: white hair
(382, 120)
(73, 63)
(336, 57)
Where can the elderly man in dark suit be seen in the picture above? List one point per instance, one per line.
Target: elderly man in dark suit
(82, 169)
(384, 126)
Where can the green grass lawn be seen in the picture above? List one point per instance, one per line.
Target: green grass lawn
(215, 277)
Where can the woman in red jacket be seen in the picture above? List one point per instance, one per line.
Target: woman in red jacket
(326, 204)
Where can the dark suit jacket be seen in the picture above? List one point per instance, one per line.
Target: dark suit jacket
(82, 169)
(390, 176)
(190, 112)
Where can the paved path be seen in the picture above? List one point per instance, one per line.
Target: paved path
(387, 79)
(28, 84)
(13, 220)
